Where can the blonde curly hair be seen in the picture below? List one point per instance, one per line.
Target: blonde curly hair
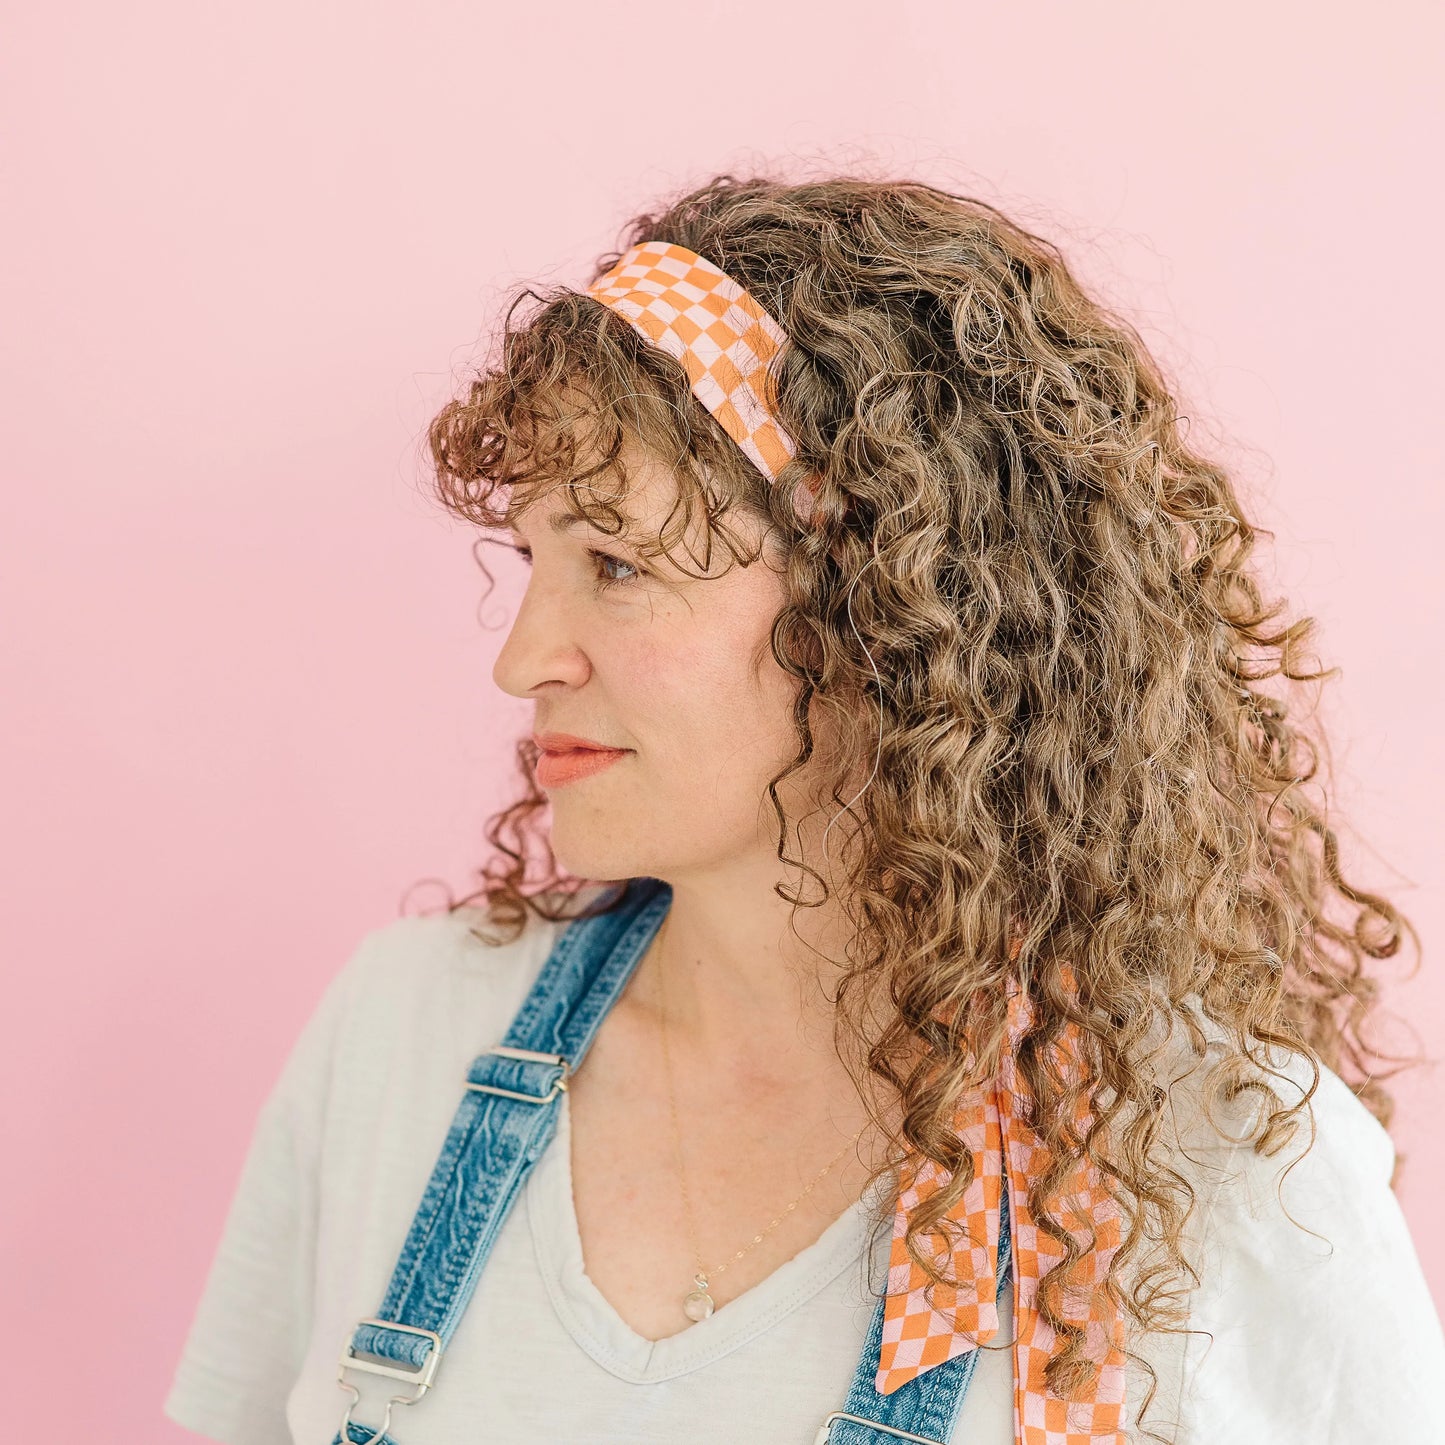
(1042, 594)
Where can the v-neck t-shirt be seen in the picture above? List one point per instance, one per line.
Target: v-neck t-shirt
(346, 1141)
(812, 1312)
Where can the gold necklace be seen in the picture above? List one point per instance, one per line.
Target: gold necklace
(697, 1303)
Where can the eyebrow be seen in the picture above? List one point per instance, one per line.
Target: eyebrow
(566, 522)
(563, 522)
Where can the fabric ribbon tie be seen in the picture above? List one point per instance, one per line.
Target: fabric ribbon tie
(926, 1323)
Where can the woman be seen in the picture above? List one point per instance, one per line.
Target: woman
(974, 1015)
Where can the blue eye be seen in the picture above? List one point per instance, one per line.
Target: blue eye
(604, 558)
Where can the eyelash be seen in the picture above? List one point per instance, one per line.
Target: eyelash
(525, 553)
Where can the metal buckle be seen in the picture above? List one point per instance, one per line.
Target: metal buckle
(421, 1377)
(527, 1056)
(827, 1429)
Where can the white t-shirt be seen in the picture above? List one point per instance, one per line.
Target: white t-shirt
(1309, 1346)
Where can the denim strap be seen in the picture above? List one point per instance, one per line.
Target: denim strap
(496, 1138)
(928, 1405)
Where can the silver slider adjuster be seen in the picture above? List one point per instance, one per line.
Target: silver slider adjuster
(526, 1056)
(421, 1377)
(821, 1438)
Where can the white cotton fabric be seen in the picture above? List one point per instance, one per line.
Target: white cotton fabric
(1296, 1341)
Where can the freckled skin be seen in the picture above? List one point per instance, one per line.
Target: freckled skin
(664, 664)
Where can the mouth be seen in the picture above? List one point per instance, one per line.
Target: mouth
(558, 767)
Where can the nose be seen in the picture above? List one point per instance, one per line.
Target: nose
(542, 647)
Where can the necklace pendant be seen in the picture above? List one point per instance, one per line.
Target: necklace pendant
(698, 1303)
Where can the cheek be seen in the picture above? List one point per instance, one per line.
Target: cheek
(713, 706)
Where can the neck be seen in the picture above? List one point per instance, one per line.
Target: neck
(745, 972)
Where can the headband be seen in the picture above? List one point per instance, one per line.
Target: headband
(683, 304)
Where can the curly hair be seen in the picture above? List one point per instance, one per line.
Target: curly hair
(1042, 594)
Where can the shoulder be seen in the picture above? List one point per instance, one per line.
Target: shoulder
(431, 991)
(413, 958)
(1312, 1320)
(1214, 1101)
(457, 965)
(1303, 1215)
(1272, 1213)
(398, 985)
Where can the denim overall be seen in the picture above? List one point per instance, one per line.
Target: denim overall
(506, 1118)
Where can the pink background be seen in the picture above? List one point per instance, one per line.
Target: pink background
(251, 249)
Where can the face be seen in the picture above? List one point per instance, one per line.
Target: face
(633, 653)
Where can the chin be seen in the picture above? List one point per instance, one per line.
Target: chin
(590, 853)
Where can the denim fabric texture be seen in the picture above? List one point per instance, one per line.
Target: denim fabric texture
(365, 1435)
(927, 1405)
(494, 1142)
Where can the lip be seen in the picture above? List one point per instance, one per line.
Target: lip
(570, 742)
(556, 769)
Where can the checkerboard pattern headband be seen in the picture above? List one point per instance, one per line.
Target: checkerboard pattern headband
(726, 342)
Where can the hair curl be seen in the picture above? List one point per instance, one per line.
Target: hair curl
(1019, 567)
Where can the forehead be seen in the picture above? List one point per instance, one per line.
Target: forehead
(563, 522)
(625, 500)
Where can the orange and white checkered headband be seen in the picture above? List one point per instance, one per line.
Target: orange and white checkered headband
(683, 304)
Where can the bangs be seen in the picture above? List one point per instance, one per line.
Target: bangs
(575, 395)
